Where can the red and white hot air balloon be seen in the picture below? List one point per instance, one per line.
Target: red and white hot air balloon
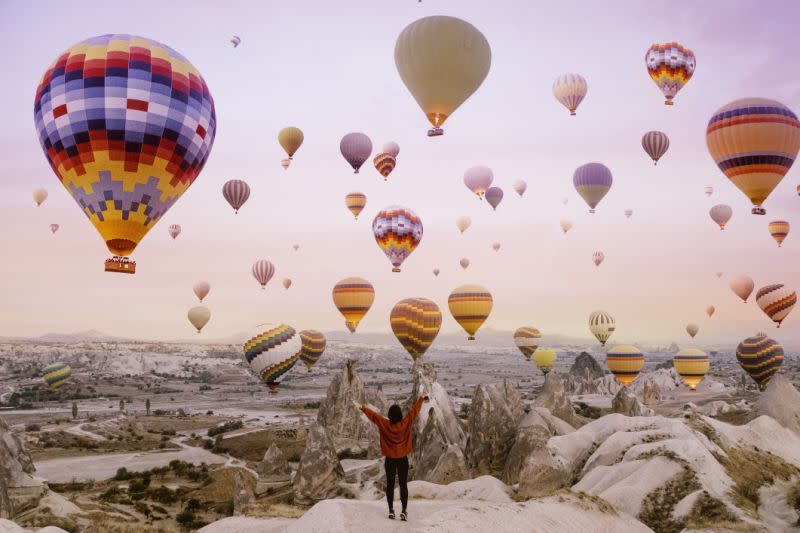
(236, 192)
(174, 230)
(598, 257)
(263, 270)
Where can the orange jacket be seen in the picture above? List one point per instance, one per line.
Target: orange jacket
(395, 438)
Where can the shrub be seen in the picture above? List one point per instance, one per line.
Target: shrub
(32, 427)
(185, 518)
(224, 428)
(122, 474)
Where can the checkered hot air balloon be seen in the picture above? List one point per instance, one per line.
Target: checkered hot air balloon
(384, 164)
(415, 322)
(527, 340)
(355, 202)
(777, 301)
(353, 298)
(398, 232)
(263, 270)
(312, 347)
(670, 66)
(236, 192)
(272, 352)
(470, 306)
(625, 362)
(761, 357)
(655, 143)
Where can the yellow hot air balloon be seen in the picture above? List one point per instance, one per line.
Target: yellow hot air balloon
(199, 316)
(415, 322)
(545, 358)
(353, 297)
(462, 223)
(290, 139)
(355, 202)
(779, 229)
(442, 61)
(566, 225)
(470, 306)
(692, 365)
(625, 362)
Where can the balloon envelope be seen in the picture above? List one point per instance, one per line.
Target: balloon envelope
(462, 223)
(470, 306)
(598, 257)
(398, 232)
(494, 195)
(356, 148)
(592, 181)
(710, 310)
(777, 301)
(287, 282)
(478, 179)
(602, 325)
(415, 322)
(464, 262)
(742, 286)
(201, 289)
(353, 297)
(496, 246)
(545, 358)
(290, 139)
(692, 365)
(391, 148)
(625, 362)
(566, 225)
(263, 270)
(384, 164)
(520, 187)
(56, 374)
(199, 316)
(527, 340)
(670, 66)
(355, 202)
(54, 228)
(39, 196)
(272, 352)
(570, 90)
(779, 229)
(236, 192)
(655, 143)
(174, 230)
(436, 271)
(760, 357)
(692, 330)
(721, 214)
(708, 191)
(312, 347)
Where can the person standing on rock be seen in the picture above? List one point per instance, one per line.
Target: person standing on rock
(396, 446)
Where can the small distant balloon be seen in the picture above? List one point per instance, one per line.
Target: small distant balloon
(436, 272)
(236, 41)
(566, 225)
(285, 163)
(742, 286)
(470, 306)
(39, 196)
(719, 274)
(520, 187)
(356, 148)
(779, 229)
(355, 202)
(174, 231)
(761, 357)
(201, 289)
(545, 358)
(496, 246)
(527, 340)
(462, 223)
(384, 164)
(625, 362)
(708, 191)
(692, 365)
(777, 301)
(721, 214)
(54, 228)
(353, 298)
(494, 195)
(570, 90)
(199, 317)
(415, 323)
(655, 143)
(710, 310)
(692, 330)
(598, 257)
(628, 213)
(236, 192)
(602, 326)
(464, 262)
(295, 247)
(592, 181)
(263, 270)
(478, 179)
(391, 148)
(287, 282)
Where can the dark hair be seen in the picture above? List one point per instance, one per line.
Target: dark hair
(395, 414)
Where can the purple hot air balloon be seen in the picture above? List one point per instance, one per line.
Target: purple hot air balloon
(592, 181)
(356, 148)
(478, 179)
(494, 195)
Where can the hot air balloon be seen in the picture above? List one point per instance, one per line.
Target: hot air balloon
(545, 358)
(470, 306)
(295, 247)
(199, 316)
(353, 297)
(54, 228)
(201, 289)
(355, 202)
(670, 65)
(356, 148)
(462, 223)
(398, 231)
(761, 357)
(56, 374)
(415, 322)
(442, 61)
(628, 213)
(236, 41)
(391, 148)
(39, 196)
(655, 143)
(494, 195)
(436, 272)
(312, 347)
(710, 310)
(564, 200)
(520, 187)
(625, 362)
(290, 139)
(464, 262)
(127, 125)
(285, 163)
(692, 365)
(777, 301)
(273, 352)
(527, 340)
(174, 230)
(754, 142)
(236, 192)
(592, 181)
(478, 179)
(263, 271)
(719, 274)
(692, 330)
(287, 282)
(742, 286)
(721, 214)
(566, 225)
(602, 326)
(708, 191)
(496, 246)
(384, 164)
(779, 229)
(570, 90)
(598, 257)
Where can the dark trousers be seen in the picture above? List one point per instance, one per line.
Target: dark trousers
(398, 468)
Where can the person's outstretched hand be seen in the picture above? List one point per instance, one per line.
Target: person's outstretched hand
(425, 392)
(356, 405)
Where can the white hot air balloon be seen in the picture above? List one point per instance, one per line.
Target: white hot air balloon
(721, 214)
(391, 148)
(566, 225)
(742, 286)
(478, 179)
(570, 90)
(520, 187)
(199, 316)
(462, 223)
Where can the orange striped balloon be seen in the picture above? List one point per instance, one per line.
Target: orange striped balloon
(416, 322)
(470, 306)
(384, 164)
(779, 229)
(312, 347)
(355, 202)
(353, 297)
(625, 362)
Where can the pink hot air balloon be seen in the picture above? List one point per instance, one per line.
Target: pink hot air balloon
(436, 272)
(742, 286)
(478, 179)
(721, 214)
(628, 213)
(54, 228)
(201, 289)
(710, 310)
(494, 195)
(391, 148)
(295, 247)
(496, 246)
(236, 192)
(520, 187)
(356, 148)
(263, 271)
(719, 274)
(598, 257)
(287, 282)
(464, 263)
(174, 231)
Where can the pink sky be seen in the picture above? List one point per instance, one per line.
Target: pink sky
(328, 68)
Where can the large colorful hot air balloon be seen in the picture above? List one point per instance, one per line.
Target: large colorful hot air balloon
(353, 297)
(602, 326)
(391, 148)
(598, 257)
(470, 306)
(199, 316)
(754, 142)
(625, 362)
(39, 196)
(708, 191)
(566, 225)
(127, 125)
(570, 90)
(478, 179)
(779, 229)
(398, 231)
(415, 322)
(462, 223)
(287, 282)
(273, 352)
(592, 181)
(290, 139)
(312, 347)
(710, 311)
(442, 61)
(356, 148)
(54, 228)
(545, 358)
(355, 202)
(742, 286)
(384, 164)
(761, 357)
(655, 143)
(692, 329)
(777, 301)
(494, 195)
(263, 270)
(520, 187)
(56, 374)
(721, 214)
(236, 192)
(201, 289)
(174, 230)
(527, 340)
(464, 262)
(670, 65)
(692, 365)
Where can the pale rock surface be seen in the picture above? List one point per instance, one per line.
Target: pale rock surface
(781, 401)
(532, 435)
(495, 412)
(274, 466)
(651, 393)
(320, 471)
(554, 398)
(19, 490)
(627, 404)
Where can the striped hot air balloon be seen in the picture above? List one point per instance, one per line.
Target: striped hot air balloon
(692, 365)
(721, 214)
(761, 357)
(353, 297)
(655, 143)
(625, 362)
(415, 322)
(602, 326)
(355, 202)
(670, 66)
(777, 301)
(527, 340)
(592, 181)
(384, 164)
(236, 41)
(598, 257)
(545, 358)
(272, 352)
(470, 306)
(56, 374)
(779, 229)
(174, 231)
(494, 195)
(356, 148)
(570, 90)
(708, 191)
(263, 270)
(236, 192)
(290, 139)
(398, 232)
(628, 213)
(312, 347)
